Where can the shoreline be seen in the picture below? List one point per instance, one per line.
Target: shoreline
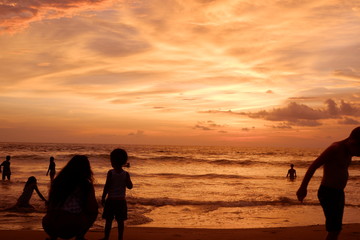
(317, 232)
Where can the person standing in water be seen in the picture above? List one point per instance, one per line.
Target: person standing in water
(51, 169)
(335, 161)
(291, 172)
(6, 172)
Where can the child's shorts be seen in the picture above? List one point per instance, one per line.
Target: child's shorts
(332, 201)
(115, 208)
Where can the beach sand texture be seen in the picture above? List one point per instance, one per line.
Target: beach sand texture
(350, 232)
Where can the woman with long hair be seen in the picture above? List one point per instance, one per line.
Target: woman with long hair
(72, 206)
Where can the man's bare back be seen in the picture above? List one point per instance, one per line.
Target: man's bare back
(336, 163)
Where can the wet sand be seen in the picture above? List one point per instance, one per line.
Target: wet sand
(350, 232)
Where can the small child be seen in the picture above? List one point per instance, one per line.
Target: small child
(6, 173)
(51, 169)
(291, 172)
(115, 189)
(24, 199)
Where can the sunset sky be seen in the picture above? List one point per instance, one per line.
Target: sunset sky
(207, 72)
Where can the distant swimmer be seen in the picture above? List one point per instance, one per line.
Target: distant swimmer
(51, 169)
(6, 172)
(291, 172)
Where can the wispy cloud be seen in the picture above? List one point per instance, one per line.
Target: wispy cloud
(281, 64)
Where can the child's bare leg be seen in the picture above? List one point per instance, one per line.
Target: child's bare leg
(120, 229)
(108, 225)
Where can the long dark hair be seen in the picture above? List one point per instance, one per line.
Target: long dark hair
(77, 173)
(30, 180)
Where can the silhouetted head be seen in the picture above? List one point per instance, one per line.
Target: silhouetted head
(354, 142)
(52, 159)
(77, 168)
(291, 165)
(76, 174)
(31, 179)
(8, 158)
(355, 134)
(118, 158)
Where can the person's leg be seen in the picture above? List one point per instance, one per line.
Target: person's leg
(107, 229)
(87, 220)
(51, 238)
(120, 229)
(332, 202)
(332, 235)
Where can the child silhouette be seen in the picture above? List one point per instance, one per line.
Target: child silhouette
(115, 189)
(291, 172)
(51, 169)
(6, 172)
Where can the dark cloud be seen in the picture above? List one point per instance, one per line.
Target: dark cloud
(292, 112)
(283, 125)
(348, 121)
(202, 127)
(16, 14)
(207, 125)
(303, 115)
(295, 114)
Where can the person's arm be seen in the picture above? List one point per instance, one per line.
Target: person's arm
(106, 187)
(47, 173)
(288, 173)
(295, 173)
(302, 191)
(39, 193)
(1, 166)
(129, 183)
(91, 203)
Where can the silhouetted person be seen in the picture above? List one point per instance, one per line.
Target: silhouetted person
(24, 199)
(6, 172)
(291, 172)
(72, 206)
(335, 160)
(115, 189)
(51, 169)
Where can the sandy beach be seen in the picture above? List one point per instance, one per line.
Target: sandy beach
(350, 232)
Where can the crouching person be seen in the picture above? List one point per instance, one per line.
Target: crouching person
(72, 206)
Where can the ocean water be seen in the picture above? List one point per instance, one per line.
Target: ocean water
(185, 186)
